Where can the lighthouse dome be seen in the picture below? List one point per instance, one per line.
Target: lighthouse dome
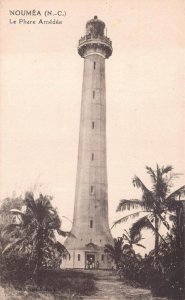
(95, 27)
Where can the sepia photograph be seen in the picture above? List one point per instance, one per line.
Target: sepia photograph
(92, 147)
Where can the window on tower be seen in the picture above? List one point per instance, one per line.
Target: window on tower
(92, 156)
(78, 257)
(93, 125)
(92, 190)
(91, 223)
(94, 65)
(93, 94)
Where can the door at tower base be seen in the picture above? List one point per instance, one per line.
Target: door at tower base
(90, 259)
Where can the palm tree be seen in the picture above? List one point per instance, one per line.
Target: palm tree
(131, 240)
(156, 203)
(116, 251)
(34, 232)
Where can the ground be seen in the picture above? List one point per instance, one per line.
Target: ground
(110, 287)
(107, 286)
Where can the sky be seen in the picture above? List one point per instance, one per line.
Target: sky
(41, 76)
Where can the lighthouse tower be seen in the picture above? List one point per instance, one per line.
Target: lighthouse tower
(90, 229)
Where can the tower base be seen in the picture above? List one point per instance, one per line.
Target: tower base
(88, 251)
(87, 259)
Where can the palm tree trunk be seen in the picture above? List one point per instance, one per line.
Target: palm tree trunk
(39, 249)
(156, 257)
(38, 260)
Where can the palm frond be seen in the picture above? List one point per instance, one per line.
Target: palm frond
(151, 172)
(176, 195)
(108, 248)
(125, 219)
(166, 169)
(127, 247)
(67, 219)
(154, 230)
(140, 245)
(139, 184)
(61, 248)
(142, 223)
(147, 196)
(125, 237)
(30, 203)
(65, 233)
(115, 251)
(136, 239)
(16, 211)
(125, 204)
(165, 223)
(128, 235)
(12, 245)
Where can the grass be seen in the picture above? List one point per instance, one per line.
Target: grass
(51, 285)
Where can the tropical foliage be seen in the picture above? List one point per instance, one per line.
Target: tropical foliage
(162, 270)
(130, 241)
(30, 254)
(123, 247)
(115, 251)
(157, 203)
(31, 235)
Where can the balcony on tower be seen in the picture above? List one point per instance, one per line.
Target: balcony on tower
(95, 39)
